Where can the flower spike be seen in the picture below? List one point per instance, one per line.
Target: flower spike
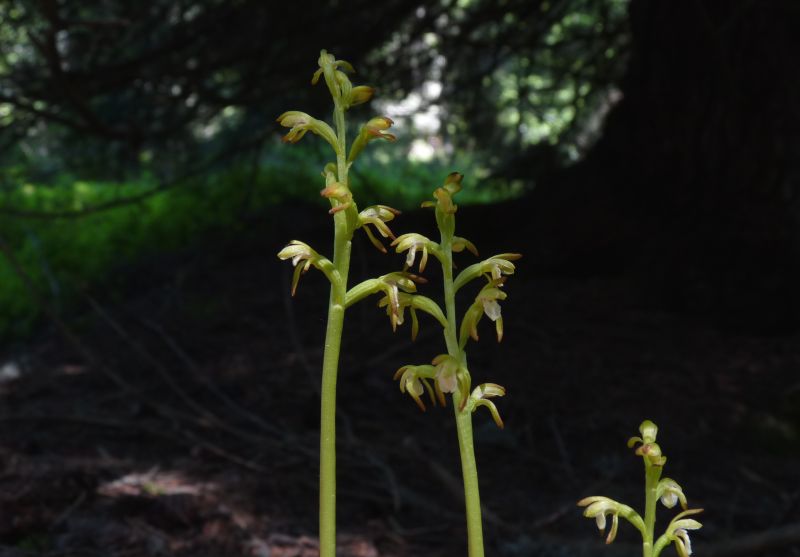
(666, 490)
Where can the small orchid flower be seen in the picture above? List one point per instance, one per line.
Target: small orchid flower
(373, 129)
(451, 376)
(414, 242)
(678, 532)
(340, 193)
(480, 396)
(415, 380)
(299, 252)
(395, 309)
(378, 216)
(413, 302)
(494, 268)
(392, 285)
(599, 507)
(499, 265)
(300, 123)
(669, 493)
(486, 303)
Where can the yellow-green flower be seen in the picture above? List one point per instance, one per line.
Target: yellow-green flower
(415, 380)
(300, 123)
(480, 396)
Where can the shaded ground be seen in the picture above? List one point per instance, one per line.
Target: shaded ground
(193, 432)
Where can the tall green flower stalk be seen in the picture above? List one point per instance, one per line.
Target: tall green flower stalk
(656, 488)
(448, 372)
(346, 220)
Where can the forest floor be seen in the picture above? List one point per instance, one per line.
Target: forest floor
(182, 416)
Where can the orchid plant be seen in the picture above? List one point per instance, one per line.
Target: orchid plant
(448, 372)
(656, 488)
(346, 220)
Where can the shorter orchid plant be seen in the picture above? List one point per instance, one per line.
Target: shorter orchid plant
(448, 373)
(656, 488)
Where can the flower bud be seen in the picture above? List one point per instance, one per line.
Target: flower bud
(453, 182)
(377, 127)
(649, 431)
(669, 492)
(373, 129)
(459, 244)
(360, 95)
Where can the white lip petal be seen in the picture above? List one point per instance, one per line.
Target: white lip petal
(412, 252)
(669, 499)
(683, 536)
(601, 521)
(447, 382)
(492, 309)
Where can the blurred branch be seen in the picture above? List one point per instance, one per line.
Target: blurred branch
(182, 181)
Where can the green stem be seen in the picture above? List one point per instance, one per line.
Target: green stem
(652, 475)
(469, 470)
(466, 446)
(330, 361)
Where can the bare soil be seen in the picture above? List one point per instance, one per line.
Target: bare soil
(184, 422)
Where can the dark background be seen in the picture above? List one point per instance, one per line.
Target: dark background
(159, 386)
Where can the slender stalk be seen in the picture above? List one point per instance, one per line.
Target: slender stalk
(652, 475)
(330, 363)
(469, 471)
(466, 446)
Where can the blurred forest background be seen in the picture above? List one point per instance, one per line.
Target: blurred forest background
(649, 145)
(663, 140)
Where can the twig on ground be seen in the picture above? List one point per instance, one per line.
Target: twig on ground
(192, 366)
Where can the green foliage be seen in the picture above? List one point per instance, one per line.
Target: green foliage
(63, 254)
(404, 184)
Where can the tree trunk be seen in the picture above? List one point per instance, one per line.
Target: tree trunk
(696, 180)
